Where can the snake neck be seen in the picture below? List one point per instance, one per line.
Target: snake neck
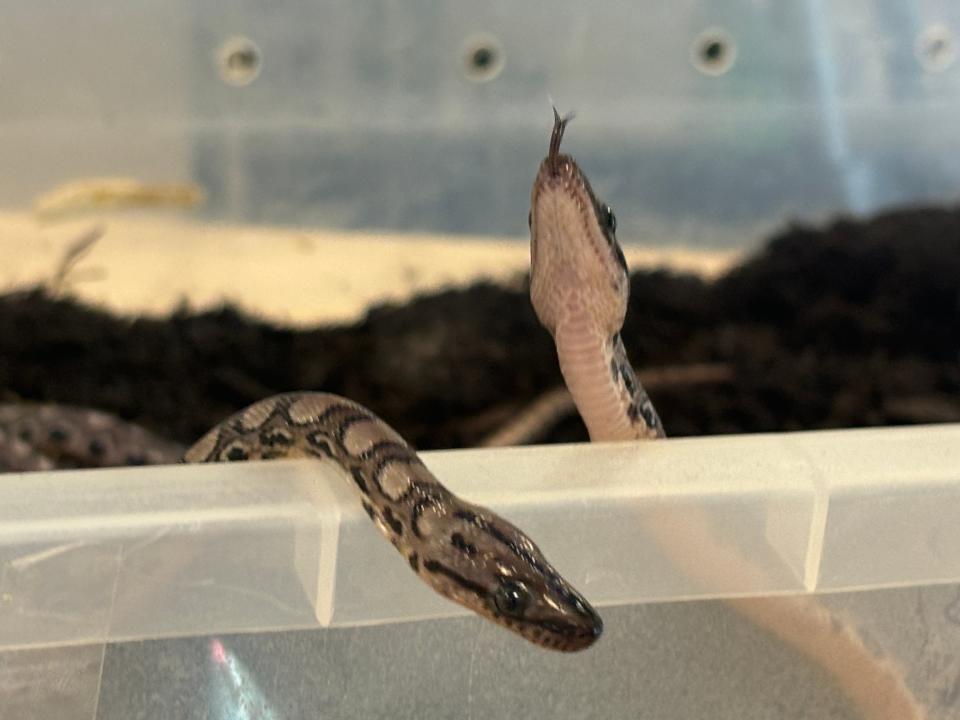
(612, 402)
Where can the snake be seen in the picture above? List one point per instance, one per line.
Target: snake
(580, 292)
(465, 552)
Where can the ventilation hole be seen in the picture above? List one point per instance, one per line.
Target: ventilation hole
(935, 48)
(713, 52)
(239, 61)
(483, 58)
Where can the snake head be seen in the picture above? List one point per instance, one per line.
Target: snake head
(576, 264)
(483, 562)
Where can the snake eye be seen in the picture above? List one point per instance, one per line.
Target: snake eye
(511, 598)
(608, 219)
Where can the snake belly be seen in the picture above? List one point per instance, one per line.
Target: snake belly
(463, 551)
(579, 289)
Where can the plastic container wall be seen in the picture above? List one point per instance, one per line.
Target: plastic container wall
(705, 124)
(139, 554)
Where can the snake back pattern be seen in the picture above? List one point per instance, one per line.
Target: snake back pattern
(463, 551)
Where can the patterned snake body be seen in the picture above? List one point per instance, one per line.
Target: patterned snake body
(463, 551)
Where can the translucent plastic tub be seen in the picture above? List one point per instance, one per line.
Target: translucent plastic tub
(93, 559)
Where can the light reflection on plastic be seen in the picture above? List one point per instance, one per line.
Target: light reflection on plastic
(234, 695)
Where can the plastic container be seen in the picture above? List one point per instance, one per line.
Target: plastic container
(96, 559)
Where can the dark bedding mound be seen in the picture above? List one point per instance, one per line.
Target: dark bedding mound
(854, 324)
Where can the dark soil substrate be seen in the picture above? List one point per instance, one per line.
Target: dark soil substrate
(857, 324)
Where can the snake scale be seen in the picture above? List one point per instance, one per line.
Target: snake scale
(579, 291)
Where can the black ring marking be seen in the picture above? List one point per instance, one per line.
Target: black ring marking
(324, 417)
(357, 474)
(235, 453)
(460, 543)
(320, 440)
(274, 436)
(392, 521)
(397, 454)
